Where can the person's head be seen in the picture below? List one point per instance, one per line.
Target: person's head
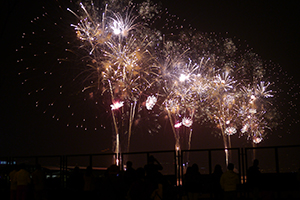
(255, 162)
(189, 170)
(128, 164)
(230, 166)
(218, 169)
(151, 159)
(195, 167)
(113, 170)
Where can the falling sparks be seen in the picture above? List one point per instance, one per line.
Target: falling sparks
(122, 26)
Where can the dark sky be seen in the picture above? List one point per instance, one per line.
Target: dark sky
(271, 28)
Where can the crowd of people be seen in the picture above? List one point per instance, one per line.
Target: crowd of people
(143, 183)
(21, 180)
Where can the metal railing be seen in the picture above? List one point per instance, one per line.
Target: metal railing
(275, 159)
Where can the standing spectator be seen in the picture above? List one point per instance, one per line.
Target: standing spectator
(112, 184)
(192, 182)
(138, 189)
(38, 180)
(298, 181)
(22, 178)
(129, 175)
(154, 178)
(254, 179)
(89, 183)
(229, 181)
(76, 183)
(298, 175)
(151, 168)
(216, 186)
(13, 183)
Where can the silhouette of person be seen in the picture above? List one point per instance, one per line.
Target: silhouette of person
(298, 181)
(112, 185)
(23, 180)
(192, 182)
(13, 183)
(154, 178)
(216, 186)
(89, 183)
(254, 179)
(76, 183)
(129, 175)
(138, 189)
(298, 175)
(151, 168)
(229, 181)
(38, 180)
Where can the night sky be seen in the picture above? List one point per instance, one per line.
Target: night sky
(270, 28)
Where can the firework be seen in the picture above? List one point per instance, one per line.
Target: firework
(137, 67)
(223, 111)
(184, 85)
(253, 111)
(122, 61)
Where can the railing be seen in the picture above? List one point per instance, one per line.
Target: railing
(273, 160)
(285, 159)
